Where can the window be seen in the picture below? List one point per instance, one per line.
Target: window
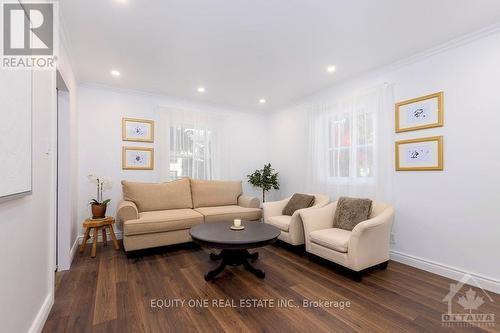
(351, 144)
(349, 151)
(191, 152)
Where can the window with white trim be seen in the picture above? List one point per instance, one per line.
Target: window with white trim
(191, 152)
(351, 140)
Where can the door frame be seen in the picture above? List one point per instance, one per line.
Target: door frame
(63, 179)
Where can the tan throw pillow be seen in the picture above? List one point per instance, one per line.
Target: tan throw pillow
(298, 201)
(158, 196)
(351, 211)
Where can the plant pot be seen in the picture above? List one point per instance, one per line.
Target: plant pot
(98, 211)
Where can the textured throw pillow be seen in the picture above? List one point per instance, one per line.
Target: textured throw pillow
(298, 201)
(351, 211)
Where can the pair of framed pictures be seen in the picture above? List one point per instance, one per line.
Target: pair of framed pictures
(422, 154)
(137, 130)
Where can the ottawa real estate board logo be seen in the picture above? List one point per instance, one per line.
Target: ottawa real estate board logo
(467, 304)
(29, 35)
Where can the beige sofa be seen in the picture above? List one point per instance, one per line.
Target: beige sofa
(292, 231)
(365, 246)
(157, 214)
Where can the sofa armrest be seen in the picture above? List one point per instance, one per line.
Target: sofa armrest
(126, 210)
(273, 208)
(248, 201)
(370, 240)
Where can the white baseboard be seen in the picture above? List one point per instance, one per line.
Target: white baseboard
(74, 248)
(63, 266)
(486, 283)
(42, 314)
(118, 234)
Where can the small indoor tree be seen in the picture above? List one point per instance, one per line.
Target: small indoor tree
(264, 178)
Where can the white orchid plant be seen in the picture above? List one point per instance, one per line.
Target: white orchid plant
(103, 184)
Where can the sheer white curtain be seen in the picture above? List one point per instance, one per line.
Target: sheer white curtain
(350, 145)
(190, 144)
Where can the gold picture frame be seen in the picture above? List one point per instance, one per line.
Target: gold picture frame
(417, 109)
(139, 161)
(422, 152)
(145, 130)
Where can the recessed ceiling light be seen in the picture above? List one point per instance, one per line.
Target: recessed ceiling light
(201, 89)
(262, 101)
(116, 73)
(331, 69)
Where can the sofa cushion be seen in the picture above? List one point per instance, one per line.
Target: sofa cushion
(210, 193)
(161, 221)
(298, 201)
(158, 196)
(281, 222)
(333, 238)
(351, 211)
(229, 213)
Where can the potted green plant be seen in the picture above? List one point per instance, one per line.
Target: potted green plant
(98, 205)
(265, 178)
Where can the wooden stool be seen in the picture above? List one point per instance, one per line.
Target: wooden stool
(97, 224)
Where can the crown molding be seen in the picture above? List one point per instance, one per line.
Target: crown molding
(194, 104)
(379, 71)
(65, 42)
(449, 45)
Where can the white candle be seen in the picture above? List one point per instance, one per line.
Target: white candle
(237, 223)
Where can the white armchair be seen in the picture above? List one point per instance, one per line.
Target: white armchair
(292, 230)
(365, 246)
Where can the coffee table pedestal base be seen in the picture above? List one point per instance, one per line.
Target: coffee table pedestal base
(234, 258)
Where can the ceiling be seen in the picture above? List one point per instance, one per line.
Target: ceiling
(245, 50)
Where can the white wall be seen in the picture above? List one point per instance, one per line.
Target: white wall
(445, 221)
(27, 226)
(100, 111)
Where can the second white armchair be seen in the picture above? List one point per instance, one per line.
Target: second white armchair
(365, 246)
(292, 230)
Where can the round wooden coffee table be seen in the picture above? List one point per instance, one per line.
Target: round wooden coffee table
(234, 243)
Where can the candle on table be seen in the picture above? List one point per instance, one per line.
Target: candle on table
(237, 223)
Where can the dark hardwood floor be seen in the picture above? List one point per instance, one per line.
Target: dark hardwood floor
(114, 293)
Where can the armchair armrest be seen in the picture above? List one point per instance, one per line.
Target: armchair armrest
(318, 218)
(384, 219)
(370, 239)
(248, 201)
(126, 210)
(273, 208)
